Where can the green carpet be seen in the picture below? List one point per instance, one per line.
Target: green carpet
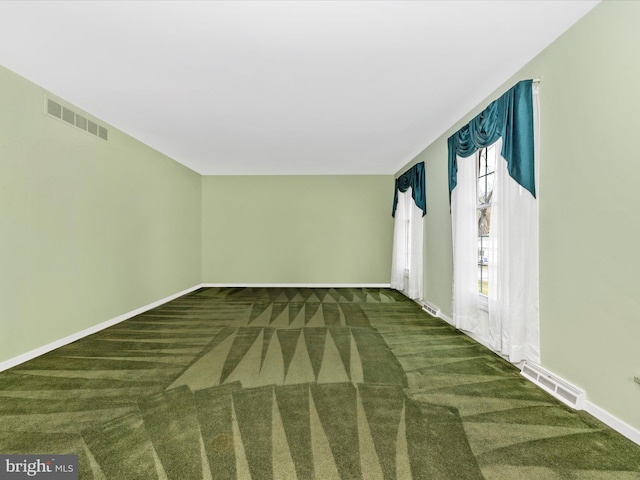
(287, 383)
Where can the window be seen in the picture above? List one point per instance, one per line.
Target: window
(409, 206)
(485, 174)
(494, 225)
(406, 205)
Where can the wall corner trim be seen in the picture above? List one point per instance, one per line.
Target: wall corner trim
(12, 362)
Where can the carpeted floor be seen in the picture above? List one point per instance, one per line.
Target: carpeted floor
(240, 383)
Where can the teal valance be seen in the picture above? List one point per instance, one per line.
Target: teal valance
(509, 117)
(414, 178)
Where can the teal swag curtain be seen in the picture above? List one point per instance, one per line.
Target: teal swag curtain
(414, 178)
(509, 117)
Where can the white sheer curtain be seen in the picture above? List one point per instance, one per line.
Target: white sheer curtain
(398, 260)
(416, 264)
(465, 247)
(407, 247)
(514, 325)
(513, 318)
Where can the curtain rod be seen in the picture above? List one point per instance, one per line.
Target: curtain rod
(536, 81)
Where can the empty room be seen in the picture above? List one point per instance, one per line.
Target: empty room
(319, 240)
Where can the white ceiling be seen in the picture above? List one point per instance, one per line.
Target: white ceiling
(279, 87)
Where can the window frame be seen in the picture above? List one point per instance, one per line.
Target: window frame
(483, 174)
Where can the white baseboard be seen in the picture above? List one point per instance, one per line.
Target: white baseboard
(433, 305)
(446, 319)
(12, 362)
(613, 422)
(594, 410)
(298, 285)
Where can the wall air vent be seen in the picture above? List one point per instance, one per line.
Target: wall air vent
(561, 389)
(430, 309)
(56, 109)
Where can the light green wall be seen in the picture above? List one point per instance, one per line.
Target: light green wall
(297, 229)
(589, 207)
(438, 252)
(89, 229)
(93, 229)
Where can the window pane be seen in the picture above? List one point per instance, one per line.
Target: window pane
(489, 188)
(483, 260)
(483, 284)
(484, 221)
(482, 190)
(483, 250)
(485, 184)
(482, 162)
(407, 247)
(491, 159)
(485, 189)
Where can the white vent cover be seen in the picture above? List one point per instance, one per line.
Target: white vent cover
(430, 309)
(561, 389)
(55, 109)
